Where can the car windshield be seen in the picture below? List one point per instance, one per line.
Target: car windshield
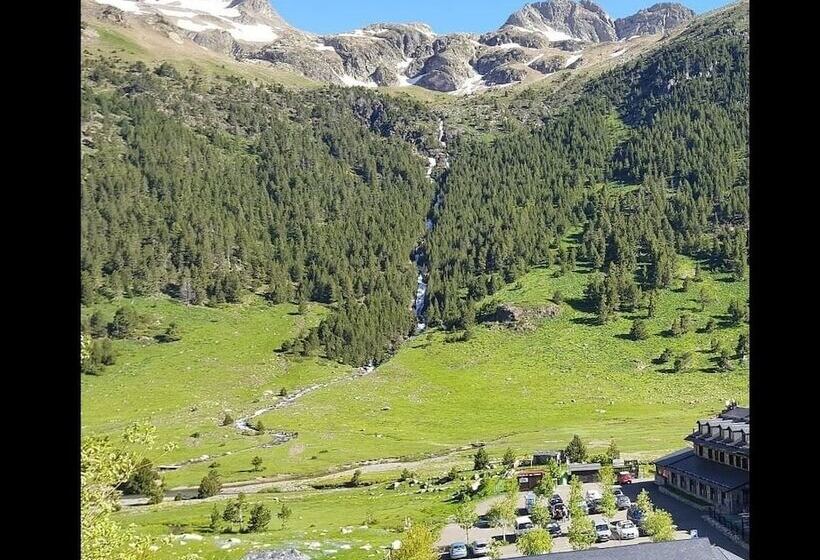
(459, 545)
(627, 525)
(480, 543)
(601, 527)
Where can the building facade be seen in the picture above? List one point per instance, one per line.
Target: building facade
(716, 468)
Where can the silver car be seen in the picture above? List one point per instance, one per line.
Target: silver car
(458, 550)
(479, 548)
(623, 502)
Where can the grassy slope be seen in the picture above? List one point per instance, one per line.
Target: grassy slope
(225, 361)
(533, 389)
(317, 518)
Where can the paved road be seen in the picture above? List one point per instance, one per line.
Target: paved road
(685, 516)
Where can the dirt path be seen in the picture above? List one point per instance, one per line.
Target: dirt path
(295, 483)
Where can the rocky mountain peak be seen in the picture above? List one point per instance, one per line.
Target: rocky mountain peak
(658, 18)
(561, 20)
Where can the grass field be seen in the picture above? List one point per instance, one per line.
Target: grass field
(528, 390)
(372, 517)
(225, 361)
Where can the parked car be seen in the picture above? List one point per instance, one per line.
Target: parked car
(625, 530)
(623, 502)
(593, 495)
(602, 531)
(595, 506)
(624, 477)
(636, 516)
(458, 550)
(556, 499)
(480, 548)
(617, 490)
(554, 529)
(559, 511)
(523, 524)
(530, 502)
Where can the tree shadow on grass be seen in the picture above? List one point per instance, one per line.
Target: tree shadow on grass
(588, 321)
(625, 336)
(580, 304)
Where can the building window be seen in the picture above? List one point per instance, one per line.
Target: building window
(683, 482)
(744, 463)
(723, 498)
(710, 453)
(674, 478)
(712, 493)
(702, 489)
(731, 459)
(700, 450)
(722, 457)
(692, 485)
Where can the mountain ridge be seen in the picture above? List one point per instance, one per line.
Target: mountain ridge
(398, 54)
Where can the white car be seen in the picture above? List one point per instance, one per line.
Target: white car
(602, 531)
(624, 530)
(593, 495)
(523, 524)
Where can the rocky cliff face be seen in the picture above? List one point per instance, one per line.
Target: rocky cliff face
(530, 43)
(560, 20)
(655, 19)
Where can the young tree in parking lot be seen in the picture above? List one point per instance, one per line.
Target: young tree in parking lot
(576, 451)
(582, 532)
(481, 460)
(536, 541)
(644, 503)
(418, 542)
(509, 458)
(495, 550)
(466, 517)
(546, 486)
(540, 514)
(502, 515)
(609, 504)
(658, 526)
(576, 495)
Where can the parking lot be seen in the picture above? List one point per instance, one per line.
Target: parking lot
(685, 517)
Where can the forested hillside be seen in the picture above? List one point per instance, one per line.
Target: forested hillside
(652, 161)
(206, 189)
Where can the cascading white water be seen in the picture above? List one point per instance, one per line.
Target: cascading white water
(419, 302)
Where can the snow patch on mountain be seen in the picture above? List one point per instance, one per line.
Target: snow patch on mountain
(124, 5)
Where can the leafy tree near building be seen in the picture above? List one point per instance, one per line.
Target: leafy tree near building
(418, 542)
(545, 486)
(576, 451)
(643, 502)
(612, 452)
(659, 525)
(509, 458)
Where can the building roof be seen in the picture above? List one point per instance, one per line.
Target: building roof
(725, 444)
(580, 467)
(740, 413)
(716, 473)
(687, 549)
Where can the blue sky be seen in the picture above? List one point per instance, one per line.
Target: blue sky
(445, 16)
